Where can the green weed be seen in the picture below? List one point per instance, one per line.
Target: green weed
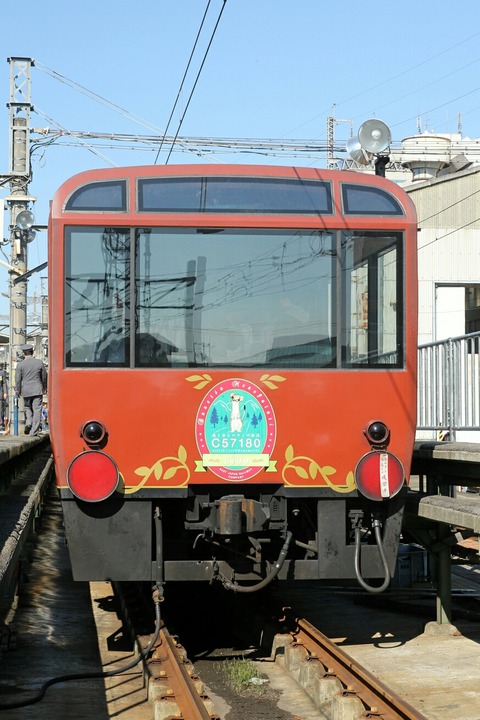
(243, 677)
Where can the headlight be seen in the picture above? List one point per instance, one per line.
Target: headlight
(93, 432)
(377, 433)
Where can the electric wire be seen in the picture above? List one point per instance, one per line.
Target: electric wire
(439, 107)
(125, 112)
(444, 209)
(450, 232)
(196, 79)
(424, 87)
(96, 97)
(88, 146)
(449, 207)
(389, 82)
(101, 99)
(183, 81)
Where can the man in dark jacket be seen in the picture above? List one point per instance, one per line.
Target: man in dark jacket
(3, 401)
(31, 384)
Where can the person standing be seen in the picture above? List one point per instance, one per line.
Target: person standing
(3, 401)
(31, 384)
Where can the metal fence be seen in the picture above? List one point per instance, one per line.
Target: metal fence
(449, 385)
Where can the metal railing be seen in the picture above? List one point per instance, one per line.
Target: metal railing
(449, 385)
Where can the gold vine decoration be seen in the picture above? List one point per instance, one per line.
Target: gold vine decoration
(312, 469)
(157, 470)
(201, 380)
(270, 380)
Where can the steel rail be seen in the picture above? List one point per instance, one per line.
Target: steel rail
(379, 700)
(180, 681)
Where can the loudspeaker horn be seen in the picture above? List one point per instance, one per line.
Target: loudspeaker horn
(357, 153)
(24, 220)
(374, 136)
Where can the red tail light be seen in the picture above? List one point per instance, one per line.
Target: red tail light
(92, 476)
(379, 475)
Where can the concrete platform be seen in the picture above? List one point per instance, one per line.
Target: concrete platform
(21, 491)
(435, 668)
(462, 511)
(57, 624)
(436, 671)
(13, 445)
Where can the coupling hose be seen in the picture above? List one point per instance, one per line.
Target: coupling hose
(377, 527)
(229, 585)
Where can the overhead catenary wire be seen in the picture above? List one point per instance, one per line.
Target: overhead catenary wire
(389, 81)
(183, 81)
(194, 143)
(256, 147)
(196, 80)
(117, 108)
(91, 148)
(197, 145)
(96, 97)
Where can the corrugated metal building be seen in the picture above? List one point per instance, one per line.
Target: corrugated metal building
(448, 209)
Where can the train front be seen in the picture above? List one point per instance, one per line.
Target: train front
(232, 373)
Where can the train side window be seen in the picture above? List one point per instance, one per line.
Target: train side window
(97, 296)
(372, 299)
(369, 200)
(99, 196)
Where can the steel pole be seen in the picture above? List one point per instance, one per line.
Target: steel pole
(18, 200)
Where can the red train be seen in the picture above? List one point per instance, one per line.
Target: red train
(232, 372)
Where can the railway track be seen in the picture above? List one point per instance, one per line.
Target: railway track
(339, 686)
(336, 684)
(36, 678)
(174, 689)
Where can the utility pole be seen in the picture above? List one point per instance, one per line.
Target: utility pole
(21, 218)
(332, 121)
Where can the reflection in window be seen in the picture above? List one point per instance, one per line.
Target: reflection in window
(99, 196)
(97, 296)
(371, 282)
(238, 298)
(369, 200)
(235, 195)
(472, 309)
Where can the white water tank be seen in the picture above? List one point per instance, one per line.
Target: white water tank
(426, 154)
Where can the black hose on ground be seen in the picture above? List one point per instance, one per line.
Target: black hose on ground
(157, 599)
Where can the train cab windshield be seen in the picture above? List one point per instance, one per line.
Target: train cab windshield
(233, 297)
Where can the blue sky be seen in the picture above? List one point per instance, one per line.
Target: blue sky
(275, 69)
